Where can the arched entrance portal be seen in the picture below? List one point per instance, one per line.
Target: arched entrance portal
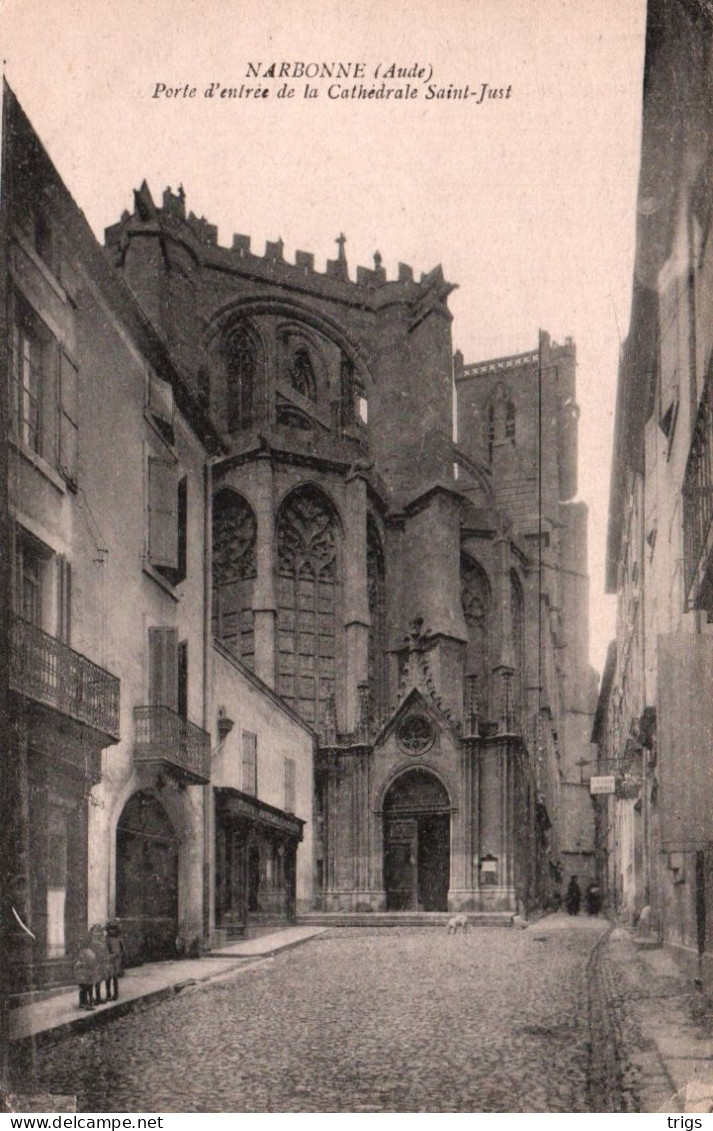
(417, 843)
(147, 879)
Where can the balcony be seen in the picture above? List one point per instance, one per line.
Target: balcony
(47, 671)
(162, 738)
(698, 509)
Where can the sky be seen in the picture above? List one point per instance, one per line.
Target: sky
(528, 200)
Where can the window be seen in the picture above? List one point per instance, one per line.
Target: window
(308, 591)
(27, 373)
(475, 597)
(182, 693)
(290, 771)
(491, 431)
(163, 668)
(45, 393)
(168, 519)
(30, 565)
(510, 421)
(377, 614)
(241, 366)
(517, 615)
(250, 763)
(234, 572)
(42, 586)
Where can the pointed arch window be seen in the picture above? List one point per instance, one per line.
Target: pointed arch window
(234, 572)
(475, 598)
(301, 375)
(376, 592)
(308, 591)
(241, 370)
(510, 421)
(491, 431)
(517, 618)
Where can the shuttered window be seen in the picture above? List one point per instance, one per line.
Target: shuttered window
(163, 513)
(68, 419)
(163, 667)
(250, 763)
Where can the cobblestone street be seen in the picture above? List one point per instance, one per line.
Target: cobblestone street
(367, 1020)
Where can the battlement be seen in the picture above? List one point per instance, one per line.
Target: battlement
(171, 217)
(497, 365)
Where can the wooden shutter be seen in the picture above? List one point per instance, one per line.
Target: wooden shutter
(68, 419)
(183, 679)
(163, 667)
(163, 513)
(182, 529)
(250, 763)
(64, 600)
(290, 785)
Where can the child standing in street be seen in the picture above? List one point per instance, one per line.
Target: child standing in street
(97, 936)
(85, 972)
(115, 946)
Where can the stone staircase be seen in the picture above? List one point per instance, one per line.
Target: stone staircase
(400, 918)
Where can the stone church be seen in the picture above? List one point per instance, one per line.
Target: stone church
(420, 603)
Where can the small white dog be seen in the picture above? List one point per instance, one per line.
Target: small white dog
(458, 922)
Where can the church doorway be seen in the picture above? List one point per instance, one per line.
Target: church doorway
(147, 879)
(417, 843)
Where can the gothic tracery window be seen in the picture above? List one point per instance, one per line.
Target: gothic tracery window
(377, 615)
(241, 369)
(308, 581)
(234, 572)
(475, 597)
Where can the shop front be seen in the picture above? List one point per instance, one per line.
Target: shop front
(255, 860)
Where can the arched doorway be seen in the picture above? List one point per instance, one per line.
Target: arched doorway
(417, 843)
(147, 879)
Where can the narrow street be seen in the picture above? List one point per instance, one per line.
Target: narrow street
(371, 1020)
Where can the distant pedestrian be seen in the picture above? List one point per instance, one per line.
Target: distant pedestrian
(86, 969)
(117, 950)
(97, 936)
(573, 897)
(594, 898)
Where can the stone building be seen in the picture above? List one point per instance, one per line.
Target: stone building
(392, 605)
(344, 658)
(125, 729)
(657, 701)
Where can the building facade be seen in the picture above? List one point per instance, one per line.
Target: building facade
(279, 642)
(119, 754)
(657, 740)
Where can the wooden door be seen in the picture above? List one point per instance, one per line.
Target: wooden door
(401, 864)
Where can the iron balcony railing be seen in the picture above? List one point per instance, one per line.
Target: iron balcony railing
(698, 502)
(48, 671)
(164, 738)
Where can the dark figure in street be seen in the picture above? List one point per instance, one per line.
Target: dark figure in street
(594, 899)
(85, 972)
(97, 936)
(573, 897)
(115, 946)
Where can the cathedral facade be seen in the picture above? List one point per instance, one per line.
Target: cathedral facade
(408, 597)
(273, 641)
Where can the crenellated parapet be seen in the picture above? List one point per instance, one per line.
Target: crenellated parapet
(200, 238)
